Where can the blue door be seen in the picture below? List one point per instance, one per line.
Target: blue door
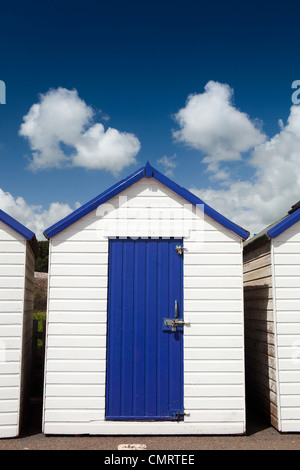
(144, 379)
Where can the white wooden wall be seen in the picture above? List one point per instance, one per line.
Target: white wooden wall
(286, 262)
(214, 396)
(12, 270)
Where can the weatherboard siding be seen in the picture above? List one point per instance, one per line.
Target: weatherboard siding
(259, 330)
(286, 249)
(12, 266)
(74, 392)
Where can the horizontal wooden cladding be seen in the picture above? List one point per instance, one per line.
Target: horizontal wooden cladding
(209, 378)
(11, 294)
(290, 425)
(287, 292)
(287, 258)
(213, 305)
(8, 419)
(214, 342)
(75, 415)
(8, 234)
(76, 247)
(291, 340)
(76, 329)
(214, 282)
(214, 354)
(214, 365)
(289, 328)
(292, 247)
(257, 263)
(207, 270)
(74, 403)
(285, 270)
(78, 270)
(9, 406)
(14, 306)
(214, 403)
(72, 390)
(79, 258)
(214, 390)
(13, 271)
(78, 281)
(288, 282)
(77, 317)
(10, 319)
(12, 258)
(11, 247)
(214, 329)
(78, 305)
(78, 341)
(76, 378)
(212, 293)
(212, 258)
(75, 365)
(77, 352)
(74, 293)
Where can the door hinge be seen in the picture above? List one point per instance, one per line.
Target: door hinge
(180, 414)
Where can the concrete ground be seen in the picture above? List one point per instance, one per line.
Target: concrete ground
(260, 436)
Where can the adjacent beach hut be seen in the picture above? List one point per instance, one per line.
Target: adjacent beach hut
(18, 248)
(145, 326)
(272, 320)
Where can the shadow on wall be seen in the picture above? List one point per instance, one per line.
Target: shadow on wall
(260, 365)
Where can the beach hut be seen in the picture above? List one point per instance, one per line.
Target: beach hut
(272, 320)
(145, 322)
(18, 248)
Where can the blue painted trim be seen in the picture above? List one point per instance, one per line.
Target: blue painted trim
(147, 171)
(284, 224)
(16, 226)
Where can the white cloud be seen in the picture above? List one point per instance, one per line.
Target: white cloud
(61, 132)
(34, 217)
(209, 122)
(275, 186)
(169, 163)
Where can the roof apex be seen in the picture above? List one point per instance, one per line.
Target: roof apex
(147, 171)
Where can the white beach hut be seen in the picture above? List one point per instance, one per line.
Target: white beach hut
(272, 320)
(145, 325)
(18, 248)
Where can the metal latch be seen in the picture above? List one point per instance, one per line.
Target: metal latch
(179, 249)
(174, 323)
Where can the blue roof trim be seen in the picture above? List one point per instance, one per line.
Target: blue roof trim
(147, 171)
(21, 230)
(16, 226)
(284, 224)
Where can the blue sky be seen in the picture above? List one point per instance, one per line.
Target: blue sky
(132, 66)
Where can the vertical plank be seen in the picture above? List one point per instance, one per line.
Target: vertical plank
(113, 380)
(139, 328)
(152, 324)
(127, 327)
